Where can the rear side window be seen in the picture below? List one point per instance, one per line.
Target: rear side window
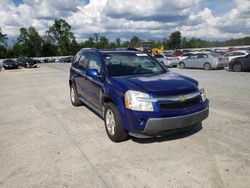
(202, 55)
(83, 61)
(240, 53)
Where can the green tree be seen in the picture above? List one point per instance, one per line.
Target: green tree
(118, 42)
(89, 43)
(112, 45)
(35, 42)
(29, 43)
(135, 42)
(96, 37)
(175, 40)
(48, 47)
(62, 36)
(126, 44)
(103, 43)
(3, 44)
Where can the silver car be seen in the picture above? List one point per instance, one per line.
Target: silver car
(205, 61)
(168, 59)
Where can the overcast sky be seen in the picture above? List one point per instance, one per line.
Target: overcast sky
(147, 19)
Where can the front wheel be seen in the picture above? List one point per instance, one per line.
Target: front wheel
(113, 124)
(237, 67)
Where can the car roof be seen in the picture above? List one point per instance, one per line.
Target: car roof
(121, 51)
(116, 50)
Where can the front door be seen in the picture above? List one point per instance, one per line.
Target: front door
(93, 87)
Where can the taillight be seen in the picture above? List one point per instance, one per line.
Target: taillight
(168, 59)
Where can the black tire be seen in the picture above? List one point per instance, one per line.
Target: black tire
(74, 96)
(119, 134)
(207, 66)
(182, 65)
(237, 67)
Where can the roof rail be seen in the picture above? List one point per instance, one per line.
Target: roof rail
(133, 49)
(89, 49)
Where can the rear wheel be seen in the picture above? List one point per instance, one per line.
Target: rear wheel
(113, 124)
(207, 66)
(74, 96)
(237, 67)
(181, 65)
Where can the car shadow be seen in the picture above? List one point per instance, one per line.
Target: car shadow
(170, 137)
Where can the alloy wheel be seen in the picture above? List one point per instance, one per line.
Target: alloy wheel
(110, 122)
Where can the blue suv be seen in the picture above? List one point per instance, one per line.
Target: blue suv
(135, 94)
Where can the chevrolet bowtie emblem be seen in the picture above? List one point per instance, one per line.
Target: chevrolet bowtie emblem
(182, 98)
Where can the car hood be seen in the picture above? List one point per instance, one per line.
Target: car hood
(163, 84)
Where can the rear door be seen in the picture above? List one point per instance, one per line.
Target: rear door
(80, 74)
(201, 60)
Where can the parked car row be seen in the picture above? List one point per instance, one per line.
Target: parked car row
(10, 64)
(27, 62)
(19, 62)
(57, 60)
(236, 61)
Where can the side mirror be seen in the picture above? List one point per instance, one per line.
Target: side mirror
(92, 73)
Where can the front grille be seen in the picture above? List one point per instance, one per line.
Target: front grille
(183, 93)
(166, 105)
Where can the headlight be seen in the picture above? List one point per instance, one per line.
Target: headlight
(134, 101)
(203, 93)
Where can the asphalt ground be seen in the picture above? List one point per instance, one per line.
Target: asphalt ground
(46, 142)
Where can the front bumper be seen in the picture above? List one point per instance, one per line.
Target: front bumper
(157, 126)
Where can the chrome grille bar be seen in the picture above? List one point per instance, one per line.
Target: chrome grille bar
(174, 98)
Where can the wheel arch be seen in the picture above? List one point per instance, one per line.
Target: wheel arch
(107, 99)
(70, 82)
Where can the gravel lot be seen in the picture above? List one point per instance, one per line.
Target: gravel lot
(46, 142)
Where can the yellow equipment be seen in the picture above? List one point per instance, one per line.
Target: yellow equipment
(155, 51)
(145, 47)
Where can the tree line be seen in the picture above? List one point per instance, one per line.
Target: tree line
(59, 40)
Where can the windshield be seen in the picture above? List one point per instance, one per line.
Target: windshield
(125, 64)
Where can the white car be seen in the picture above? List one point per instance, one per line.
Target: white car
(235, 54)
(168, 59)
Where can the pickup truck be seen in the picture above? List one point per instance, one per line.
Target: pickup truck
(134, 93)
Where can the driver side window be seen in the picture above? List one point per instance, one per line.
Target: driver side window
(94, 62)
(83, 62)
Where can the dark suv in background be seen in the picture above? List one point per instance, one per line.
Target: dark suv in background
(134, 93)
(10, 64)
(240, 64)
